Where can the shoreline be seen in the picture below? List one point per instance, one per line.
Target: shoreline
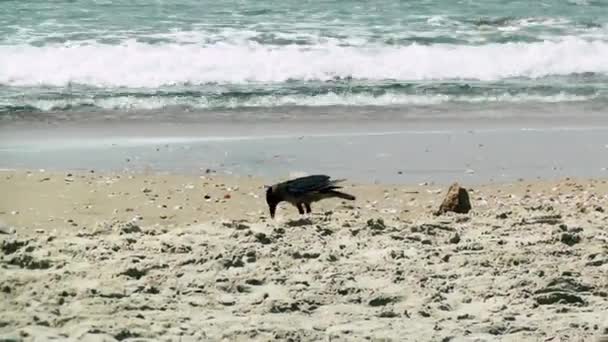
(117, 255)
(402, 155)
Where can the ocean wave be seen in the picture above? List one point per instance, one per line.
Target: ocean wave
(135, 64)
(269, 101)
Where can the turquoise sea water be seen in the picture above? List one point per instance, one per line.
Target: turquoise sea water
(101, 57)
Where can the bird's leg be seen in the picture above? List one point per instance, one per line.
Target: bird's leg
(308, 209)
(300, 209)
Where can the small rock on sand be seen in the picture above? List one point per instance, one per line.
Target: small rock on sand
(455, 238)
(456, 200)
(128, 228)
(227, 300)
(570, 239)
(4, 229)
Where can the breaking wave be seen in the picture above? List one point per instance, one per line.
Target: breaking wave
(137, 64)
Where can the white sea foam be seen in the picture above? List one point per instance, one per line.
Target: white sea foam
(331, 99)
(135, 64)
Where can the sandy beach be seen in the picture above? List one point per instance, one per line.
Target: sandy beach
(147, 256)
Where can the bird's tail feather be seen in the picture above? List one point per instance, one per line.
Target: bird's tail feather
(342, 195)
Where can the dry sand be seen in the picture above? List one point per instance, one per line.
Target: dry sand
(125, 256)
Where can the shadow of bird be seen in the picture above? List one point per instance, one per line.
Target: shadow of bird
(303, 191)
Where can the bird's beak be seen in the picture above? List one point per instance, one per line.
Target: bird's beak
(273, 209)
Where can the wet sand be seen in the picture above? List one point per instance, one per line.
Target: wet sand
(474, 152)
(149, 256)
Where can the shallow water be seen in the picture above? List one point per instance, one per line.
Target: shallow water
(384, 153)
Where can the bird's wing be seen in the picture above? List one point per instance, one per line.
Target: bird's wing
(308, 184)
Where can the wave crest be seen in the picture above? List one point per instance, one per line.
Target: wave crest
(136, 64)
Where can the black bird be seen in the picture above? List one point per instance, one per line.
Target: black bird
(301, 192)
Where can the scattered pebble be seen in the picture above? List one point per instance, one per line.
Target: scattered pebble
(455, 238)
(227, 300)
(570, 239)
